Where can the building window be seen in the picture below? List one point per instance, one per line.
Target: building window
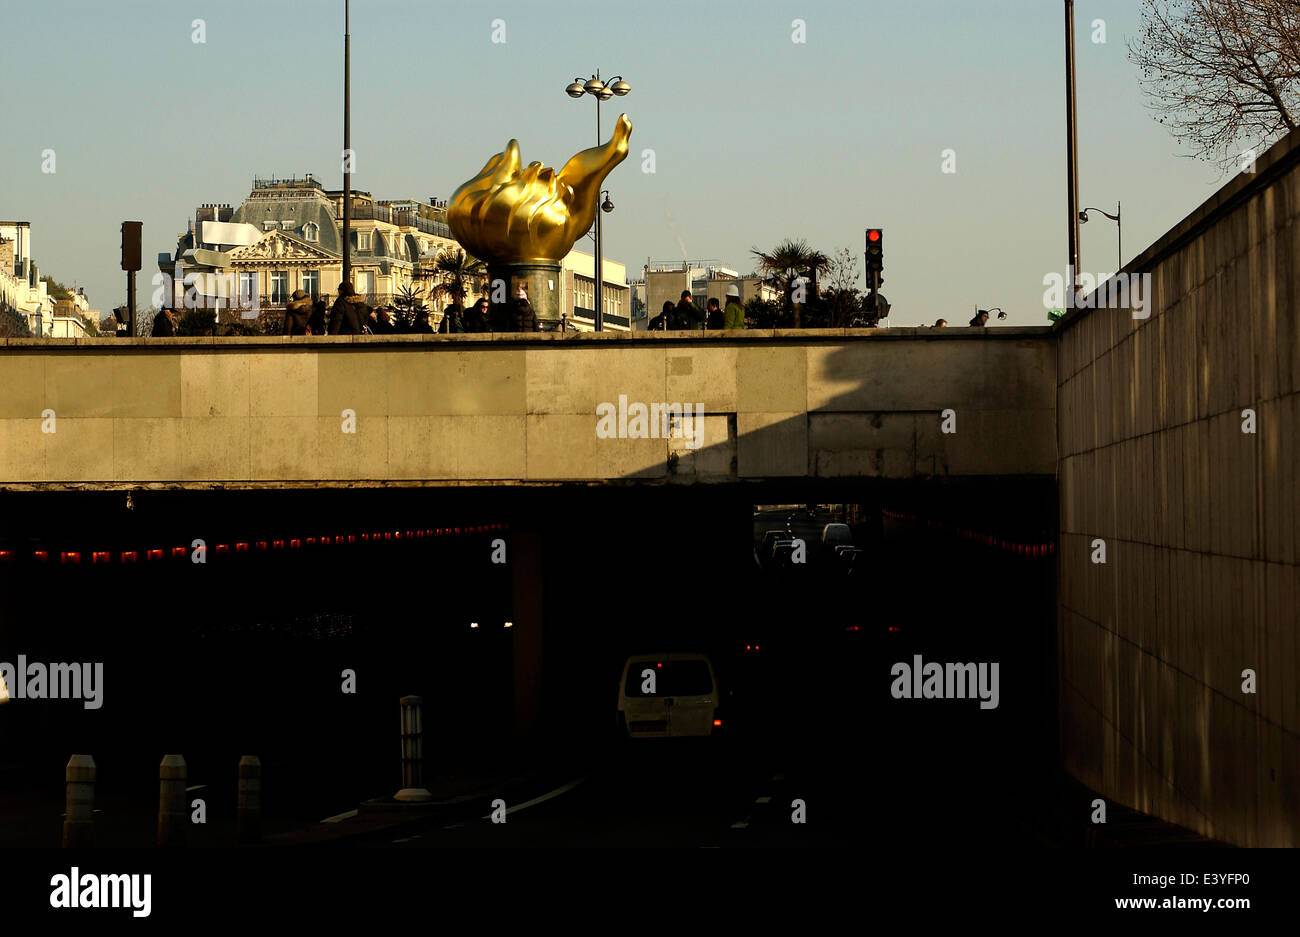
(363, 240)
(311, 283)
(247, 287)
(279, 287)
(310, 232)
(366, 281)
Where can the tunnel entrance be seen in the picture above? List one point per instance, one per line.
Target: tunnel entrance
(251, 651)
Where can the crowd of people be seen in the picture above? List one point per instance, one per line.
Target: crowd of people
(351, 315)
(685, 315)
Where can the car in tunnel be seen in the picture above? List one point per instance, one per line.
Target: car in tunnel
(669, 695)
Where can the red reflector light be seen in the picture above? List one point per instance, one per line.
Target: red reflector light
(223, 548)
(67, 557)
(311, 541)
(352, 538)
(277, 544)
(261, 544)
(130, 556)
(295, 544)
(6, 556)
(241, 547)
(717, 722)
(41, 555)
(153, 554)
(100, 556)
(178, 552)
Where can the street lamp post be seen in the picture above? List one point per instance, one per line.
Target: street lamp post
(601, 91)
(1072, 147)
(347, 146)
(1119, 229)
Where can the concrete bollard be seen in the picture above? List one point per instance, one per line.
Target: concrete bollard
(412, 790)
(248, 808)
(173, 815)
(80, 778)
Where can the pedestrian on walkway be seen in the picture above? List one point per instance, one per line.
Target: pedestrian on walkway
(660, 322)
(522, 318)
(686, 316)
(713, 314)
(316, 324)
(979, 320)
(733, 316)
(348, 315)
(451, 323)
(296, 313)
(164, 324)
(475, 317)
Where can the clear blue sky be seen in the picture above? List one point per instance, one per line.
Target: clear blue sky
(756, 138)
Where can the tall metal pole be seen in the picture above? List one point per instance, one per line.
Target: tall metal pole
(1119, 233)
(130, 302)
(599, 321)
(347, 147)
(1072, 156)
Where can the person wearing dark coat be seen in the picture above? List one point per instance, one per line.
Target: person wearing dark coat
(349, 311)
(475, 317)
(714, 316)
(296, 313)
(451, 323)
(422, 326)
(316, 324)
(164, 324)
(686, 316)
(522, 318)
(660, 322)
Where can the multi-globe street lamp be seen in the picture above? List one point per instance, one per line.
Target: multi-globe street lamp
(601, 90)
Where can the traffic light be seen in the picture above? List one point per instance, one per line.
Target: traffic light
(131, 245)
(875, 251)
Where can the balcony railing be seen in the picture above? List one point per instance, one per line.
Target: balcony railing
(368, 211)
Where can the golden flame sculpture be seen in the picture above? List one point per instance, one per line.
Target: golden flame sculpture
(508, 215)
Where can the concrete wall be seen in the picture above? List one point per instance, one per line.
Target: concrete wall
(483, 409)
(1199, 520)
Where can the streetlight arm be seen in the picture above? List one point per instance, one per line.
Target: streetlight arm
(1106, 213)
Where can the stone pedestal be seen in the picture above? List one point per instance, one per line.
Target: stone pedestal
(542, 281)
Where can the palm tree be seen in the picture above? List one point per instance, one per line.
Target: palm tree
(409, 304)
(785, 264)
(454, 267)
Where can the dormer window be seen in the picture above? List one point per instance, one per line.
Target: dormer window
(363, 240)
(310, 232)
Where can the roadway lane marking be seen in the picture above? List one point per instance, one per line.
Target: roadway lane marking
(763, 800)
(740, 824)
(338, 817)
(195, 787)
(545, 797)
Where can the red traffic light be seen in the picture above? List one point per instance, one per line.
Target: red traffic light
(873, 234)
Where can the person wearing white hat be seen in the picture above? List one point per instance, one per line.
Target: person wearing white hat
(733, 317)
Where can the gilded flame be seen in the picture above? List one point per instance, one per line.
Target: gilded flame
(505, 214)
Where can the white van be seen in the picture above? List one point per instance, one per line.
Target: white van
(835, 535)
(668, 695)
